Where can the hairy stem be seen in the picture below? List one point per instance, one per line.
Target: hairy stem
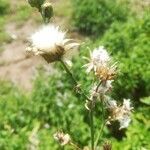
(103, 123)
(92, 128)
(81, 92)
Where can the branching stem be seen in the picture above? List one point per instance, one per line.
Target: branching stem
(91, 108)
(81, 92)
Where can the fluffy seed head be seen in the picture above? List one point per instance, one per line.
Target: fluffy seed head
(100, 63)
(120, 113)
(62, 138)
(51, 43)
(98, 56)
(107, 146)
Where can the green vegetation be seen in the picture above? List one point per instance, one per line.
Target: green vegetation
(4, 11)
(95, 17)
(21, 115)
(63, 8)
(129, 43)
(8, 13)
(136, 135)
(4, 7)
(4, 37)
(22, 13)
(51, 106)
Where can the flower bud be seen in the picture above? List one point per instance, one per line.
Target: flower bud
(36, 3)
(47, 11)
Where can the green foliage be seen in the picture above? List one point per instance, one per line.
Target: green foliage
(4, 10)
(129, 43)
(95, 16)
(4, 37)
(137, 136)
(53, 95)
(146, 100)
(53, 107)
(53, 104)
(13, 121)
(22, 13)
(4, 7)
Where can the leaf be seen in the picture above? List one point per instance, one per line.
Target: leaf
(146, 100)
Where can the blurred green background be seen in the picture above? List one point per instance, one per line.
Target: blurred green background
(30, 116)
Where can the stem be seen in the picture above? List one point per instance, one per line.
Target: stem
(92, 128)
(98, 86)
(74, 80)
(87, 98)
(103, 124)
(69, 73)
(99, 134)
(92, 119)
(75, 146)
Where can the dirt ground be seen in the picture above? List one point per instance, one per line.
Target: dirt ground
(14, 63)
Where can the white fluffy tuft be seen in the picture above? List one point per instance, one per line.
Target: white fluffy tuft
(47, 38)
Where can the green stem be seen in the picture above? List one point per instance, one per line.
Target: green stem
(69, 73)
(92, 118)
(103, 124)
(92, 128)
(75, 146)
(98, 85)
(74, 80)
(87, 98)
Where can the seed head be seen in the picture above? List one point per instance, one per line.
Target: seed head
(51, 43)
(107, 146)
(62, 138)
(100, 63)
(120, 113)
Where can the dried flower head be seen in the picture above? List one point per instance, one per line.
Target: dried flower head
(120, 113)
(100, 63)
(99, 55)
(62, 138)
(106, 71)
(107, 146)
(105, 86)
(94, 93)
(51, 43)
(101, 88)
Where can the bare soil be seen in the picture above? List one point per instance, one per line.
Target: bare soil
(15, 65)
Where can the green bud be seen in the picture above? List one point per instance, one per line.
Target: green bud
(36, 3)
(47, 11)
